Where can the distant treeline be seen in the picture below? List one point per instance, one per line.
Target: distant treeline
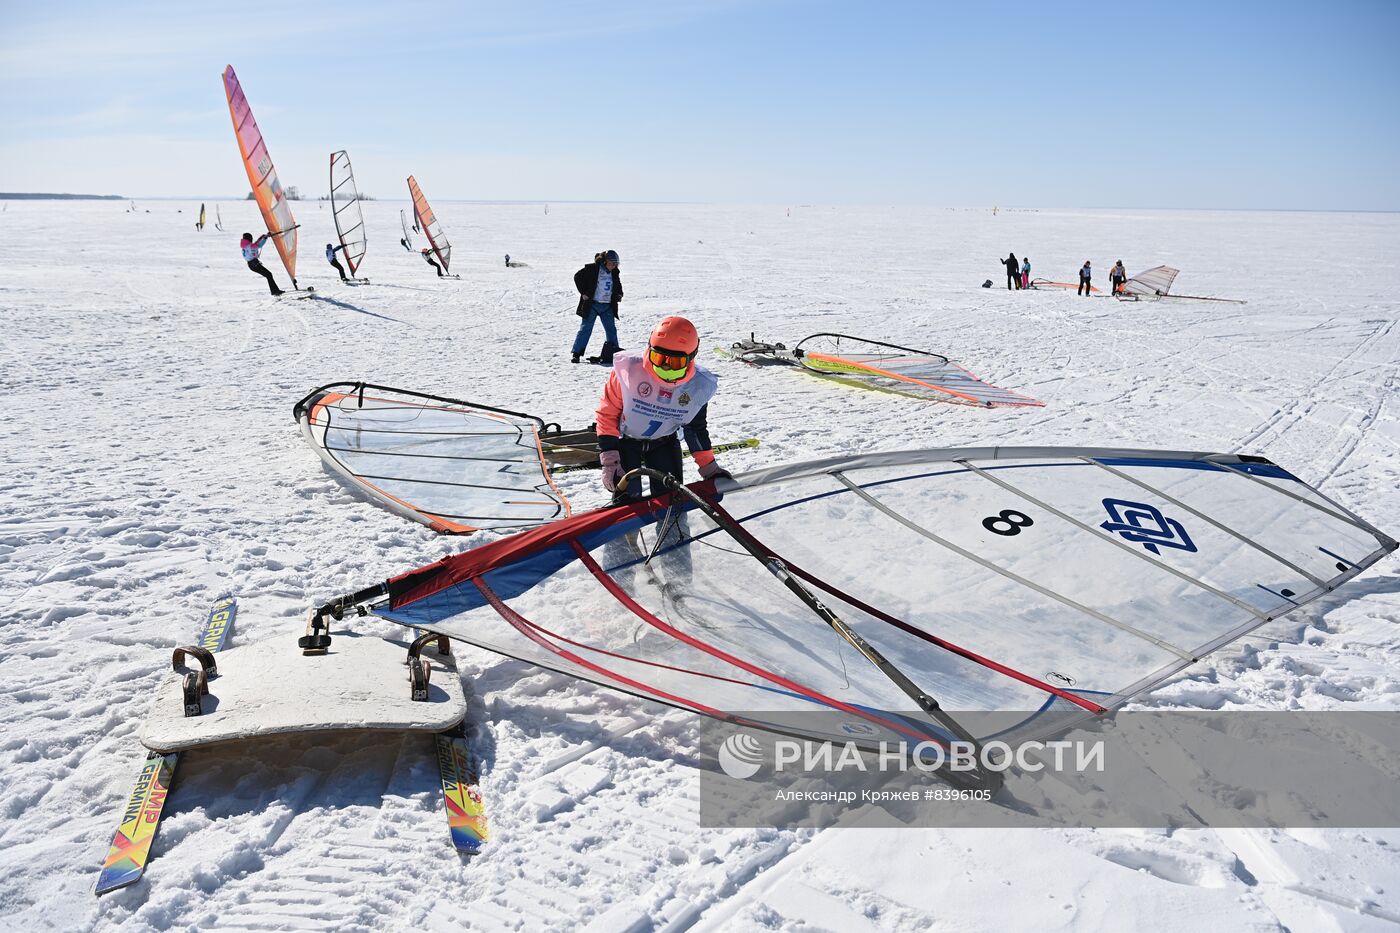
(362, 197)
(46, 196)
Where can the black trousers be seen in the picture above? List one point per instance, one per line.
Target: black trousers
(663, 454)
(1083, 287)
(435, 266)
(1013, 280)
(335, 264)
(262, 270)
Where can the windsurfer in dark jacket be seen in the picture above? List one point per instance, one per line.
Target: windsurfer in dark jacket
(599, 287)
(251, 249)
(427, 255)
(335, 263)
(1013, 271)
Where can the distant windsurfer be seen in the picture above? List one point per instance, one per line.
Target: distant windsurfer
(1013, 271)
(1086, 274)
(251, 250)
(1116, 277)
(335, 263)
(427, 255)
(650, 399)
(599, 285)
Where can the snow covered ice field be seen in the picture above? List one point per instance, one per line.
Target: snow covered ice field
(151, 465)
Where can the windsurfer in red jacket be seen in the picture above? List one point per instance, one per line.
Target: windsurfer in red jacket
(650, 399)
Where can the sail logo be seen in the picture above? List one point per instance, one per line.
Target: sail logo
(1146, 525)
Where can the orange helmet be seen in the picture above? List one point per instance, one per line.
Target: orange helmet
(672, 348)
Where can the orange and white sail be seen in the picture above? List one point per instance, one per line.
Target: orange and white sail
(428, 222)
(267, 190)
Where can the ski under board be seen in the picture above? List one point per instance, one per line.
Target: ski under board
(131, 846)
(466, 813)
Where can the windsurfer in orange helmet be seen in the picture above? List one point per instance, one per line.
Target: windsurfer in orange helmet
(650, 399)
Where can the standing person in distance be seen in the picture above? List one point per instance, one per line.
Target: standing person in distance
(251, 251)
(1025, 273)
(1013, 272)
(1116, 277)
(427, 255)
(599, 287)
(649, 400)
(1085, 275)
(335, 263)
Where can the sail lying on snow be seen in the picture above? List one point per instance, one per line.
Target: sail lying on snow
(888, 367)
(1010, 579)
(452, 465)
(1154, 283)
(345, 208)
(1157, 282)
(267, 190)
(423, 216)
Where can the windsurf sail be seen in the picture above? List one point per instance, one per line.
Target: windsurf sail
(1047, 283)
(454, 466)
(1154, 283)
(345, 209)
(424, 217)
(1157, 282)
(218, 218)
(407, 238)
(887, 367)
(267, 190)
(1019, 580)
(200, 224)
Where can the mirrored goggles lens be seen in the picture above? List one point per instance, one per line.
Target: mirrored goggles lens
(669, 360)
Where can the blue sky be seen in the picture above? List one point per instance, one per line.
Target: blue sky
(1184, 104)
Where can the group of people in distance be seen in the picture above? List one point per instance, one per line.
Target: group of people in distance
(1018, 275)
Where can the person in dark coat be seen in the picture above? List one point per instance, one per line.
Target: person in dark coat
(599, 287)
(1116, 277)
(1013, 271)
(1086, 275)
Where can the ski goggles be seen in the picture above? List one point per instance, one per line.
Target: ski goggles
(668, 364)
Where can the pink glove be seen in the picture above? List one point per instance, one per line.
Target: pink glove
(713, 470)
(612, 468)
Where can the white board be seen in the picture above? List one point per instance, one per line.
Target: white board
(271, 688)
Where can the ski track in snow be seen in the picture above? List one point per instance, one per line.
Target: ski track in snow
(152, 466)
